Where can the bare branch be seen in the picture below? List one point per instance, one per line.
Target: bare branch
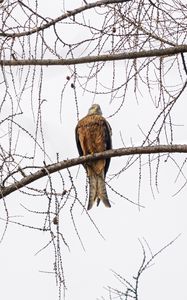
(62, 17)
(170, 51)
(131, 290)
(84, 159)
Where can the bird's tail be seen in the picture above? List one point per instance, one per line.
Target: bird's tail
(97, 190)
(101, 190)
(92, 191)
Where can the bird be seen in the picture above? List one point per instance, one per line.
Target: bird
(93, 134)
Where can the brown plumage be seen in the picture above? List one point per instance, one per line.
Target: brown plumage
(93, 135)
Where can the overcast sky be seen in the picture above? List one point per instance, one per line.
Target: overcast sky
(162, 218)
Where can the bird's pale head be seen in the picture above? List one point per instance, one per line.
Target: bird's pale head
(95, 110)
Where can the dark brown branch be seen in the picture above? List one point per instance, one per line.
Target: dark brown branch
(89, 59)
(83, 159)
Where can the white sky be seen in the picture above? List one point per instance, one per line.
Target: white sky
(87, 272)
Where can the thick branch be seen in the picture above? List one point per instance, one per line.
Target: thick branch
(83, 159)
(89, 59)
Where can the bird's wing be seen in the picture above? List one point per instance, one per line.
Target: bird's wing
(108, 143)
(78, 141)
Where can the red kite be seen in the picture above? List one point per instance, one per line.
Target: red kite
(93, 135)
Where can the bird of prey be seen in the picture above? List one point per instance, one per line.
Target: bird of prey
(93, 135)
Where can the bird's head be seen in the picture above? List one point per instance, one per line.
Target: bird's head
(95, 110)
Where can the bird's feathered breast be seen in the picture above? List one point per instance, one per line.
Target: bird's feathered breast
(93, 135)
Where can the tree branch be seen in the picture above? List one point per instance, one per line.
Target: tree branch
(89, 59)
(49, 169)
(62, 17)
